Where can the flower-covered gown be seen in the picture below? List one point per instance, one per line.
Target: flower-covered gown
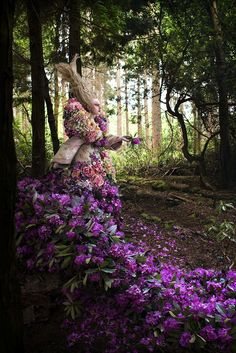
(70, 217)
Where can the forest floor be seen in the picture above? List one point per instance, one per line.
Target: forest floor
(172, 215)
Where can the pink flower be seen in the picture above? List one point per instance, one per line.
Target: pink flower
(88, 171)
(98, 181)
(73, 104)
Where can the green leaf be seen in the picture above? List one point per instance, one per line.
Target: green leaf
(85, 279)
(108, 270)
(108, 283)
(66, 262)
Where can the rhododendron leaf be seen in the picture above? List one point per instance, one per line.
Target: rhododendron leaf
(108, 270)
(35, 196)
(108, 283)
(30, 225)
(68, 283)
(19, 239)
(66, 262)
(89, 234)
(115, 239)
(201, 338)
(158, 277)
(112, 229)
(64, 254)
(91, 270)
(140, 259)
(59, 228)
(220, 309)
(156, 333)
(51, 263)
(87, 261)
(172, 314)
(85, 279)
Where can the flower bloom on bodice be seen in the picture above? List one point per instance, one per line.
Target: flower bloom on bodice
(94, 172)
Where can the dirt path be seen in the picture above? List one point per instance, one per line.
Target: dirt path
(174, 223)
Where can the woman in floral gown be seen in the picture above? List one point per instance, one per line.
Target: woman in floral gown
(71, 216)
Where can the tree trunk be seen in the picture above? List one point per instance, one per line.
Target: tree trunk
(126, 108)
(156, 112)
(10, 312)
(56, 80)
(145, 99)
(119, 107)
(51, 119)
(56, 99)
(38, 84)
(75, 32)
(225, 151)
(139, 110)
(197, 134)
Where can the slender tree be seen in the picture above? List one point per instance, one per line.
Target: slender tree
(145, 105)
(126, 106)
(225, 151)
(139, 108)
(51, 119)
(119, 107)
(56, 79)
(38, 87)
(156, 112)
(10, 314)
(75, 32)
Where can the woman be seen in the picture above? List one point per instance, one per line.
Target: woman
(76, 205)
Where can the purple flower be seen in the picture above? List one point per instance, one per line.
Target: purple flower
(185, 339)
(209, 333)
(81, 259)
(95, 277)
(136, 141)
(77, 210)
(153, 318)
(171, 324)
(44, 232)
(70, 235)
(96, 228)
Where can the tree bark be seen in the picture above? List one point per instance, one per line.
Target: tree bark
(197, 135)
(51, 119)
(225, 150)
(38, 85)
(139, 109)
(56, 80)
(119, 107)
(126, 108)
(146, 117)
(10, 313)
(75, 32)
(156, 113)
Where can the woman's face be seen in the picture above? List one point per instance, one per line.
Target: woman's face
(97, 106)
